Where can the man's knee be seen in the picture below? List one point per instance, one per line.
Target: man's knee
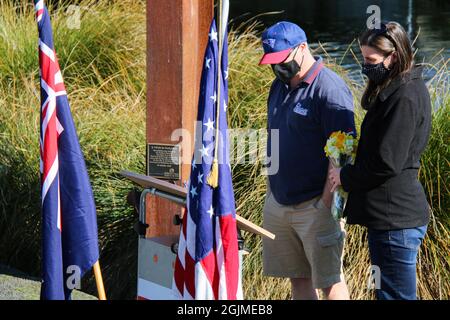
(302, 289)
(337, 291)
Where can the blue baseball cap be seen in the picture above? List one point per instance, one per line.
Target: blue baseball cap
(279, 40)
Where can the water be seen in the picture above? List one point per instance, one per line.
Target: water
(335, 24)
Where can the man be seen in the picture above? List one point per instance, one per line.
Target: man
(307, 102)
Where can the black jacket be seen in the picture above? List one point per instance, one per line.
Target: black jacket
(383, 186)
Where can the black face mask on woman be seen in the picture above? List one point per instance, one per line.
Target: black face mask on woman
(286, 71)
(376, 72)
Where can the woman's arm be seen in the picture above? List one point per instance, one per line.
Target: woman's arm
(389, 156)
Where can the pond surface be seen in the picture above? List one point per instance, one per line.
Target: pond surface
(335, 24)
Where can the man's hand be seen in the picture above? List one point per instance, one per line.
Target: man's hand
(327, 201)
(335, 178)
(327, 196)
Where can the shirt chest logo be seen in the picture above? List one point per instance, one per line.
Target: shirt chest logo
(299, 109)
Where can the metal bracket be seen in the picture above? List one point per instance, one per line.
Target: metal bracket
(141, 226)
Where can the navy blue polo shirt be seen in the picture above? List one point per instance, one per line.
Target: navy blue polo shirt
(305, 117)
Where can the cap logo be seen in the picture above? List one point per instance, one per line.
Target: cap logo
(269, 42)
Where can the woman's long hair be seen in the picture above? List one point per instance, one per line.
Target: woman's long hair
(390, 38)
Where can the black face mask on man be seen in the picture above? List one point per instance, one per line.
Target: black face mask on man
(376, 72)
(286, 71)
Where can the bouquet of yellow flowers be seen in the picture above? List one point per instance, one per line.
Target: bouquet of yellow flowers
(341, 150)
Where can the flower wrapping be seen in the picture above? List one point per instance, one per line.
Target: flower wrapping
(340, 150)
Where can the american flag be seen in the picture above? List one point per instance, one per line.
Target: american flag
(207, 264)
(69, 222)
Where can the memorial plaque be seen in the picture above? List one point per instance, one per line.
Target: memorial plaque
(163, 161)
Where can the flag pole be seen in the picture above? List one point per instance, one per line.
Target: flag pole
(99, 281)
(213, 177)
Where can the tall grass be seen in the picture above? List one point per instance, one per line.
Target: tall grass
(103, 64)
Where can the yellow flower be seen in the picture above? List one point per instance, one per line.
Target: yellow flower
(340, 139)
(341, 143)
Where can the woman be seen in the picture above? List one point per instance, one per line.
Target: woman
(384, 192)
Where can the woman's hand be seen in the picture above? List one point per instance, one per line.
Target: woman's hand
(335, 178)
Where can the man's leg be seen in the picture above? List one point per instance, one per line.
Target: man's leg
(284, 256)
(323, 243)
(337, 291)
(302, 289)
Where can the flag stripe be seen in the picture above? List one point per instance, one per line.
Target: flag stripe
(222, 290)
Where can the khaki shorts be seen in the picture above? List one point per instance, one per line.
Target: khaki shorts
(308, 242)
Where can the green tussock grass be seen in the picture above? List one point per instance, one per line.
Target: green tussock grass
(103, 65)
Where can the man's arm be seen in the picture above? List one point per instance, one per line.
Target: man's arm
(327, 196)
(336, 117)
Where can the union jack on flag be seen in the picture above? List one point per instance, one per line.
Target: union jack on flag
(207, 264)
(69, 222)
